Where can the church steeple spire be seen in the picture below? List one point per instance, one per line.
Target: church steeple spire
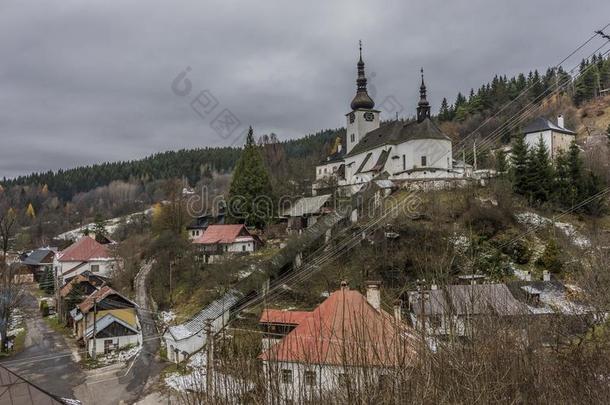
(362, 98)
(423, 107)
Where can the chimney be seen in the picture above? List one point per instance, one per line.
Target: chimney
(560, 121)
(398, 311)
(344, 286)
(528, 276)
(373, 294)
(546, 276)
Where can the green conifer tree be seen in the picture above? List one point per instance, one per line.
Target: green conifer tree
(519, 165)
(250, 194)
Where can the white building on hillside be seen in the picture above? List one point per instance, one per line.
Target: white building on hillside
(555, 136)
(398, 150)
(86, 254)
(187, 338)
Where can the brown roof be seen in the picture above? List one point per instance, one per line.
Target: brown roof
(98, 296)
(85, 249)
(222, 234)
(346, 330)
(80, 278)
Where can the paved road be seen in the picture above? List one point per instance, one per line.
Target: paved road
(47, 359)
(111, 386)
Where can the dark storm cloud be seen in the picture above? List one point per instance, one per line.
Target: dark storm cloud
(84, 82)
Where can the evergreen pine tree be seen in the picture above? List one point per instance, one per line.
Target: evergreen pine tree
(575, 173)
(250, 194)
(562, 190)
(519, 165)
(501, 164)
(443, 114)
(540, 173)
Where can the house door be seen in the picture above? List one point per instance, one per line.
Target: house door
(107, 346)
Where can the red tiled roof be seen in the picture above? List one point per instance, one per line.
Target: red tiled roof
(86, 248)
(278, 317)
(222, 234)
(346, 330)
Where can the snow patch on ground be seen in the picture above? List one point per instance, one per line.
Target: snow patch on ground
(569, 230)
(167, 317)
(227, 386)
(460, 242)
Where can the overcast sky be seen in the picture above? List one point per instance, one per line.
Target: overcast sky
(90, 81)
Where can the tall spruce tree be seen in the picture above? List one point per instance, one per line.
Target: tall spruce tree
(250, 195)
(575, 173)
(540, 173)
(562, 190)
(519, 165)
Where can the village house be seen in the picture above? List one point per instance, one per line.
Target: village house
(348, 340)
(305, 212)
(449, 311)
(184, 339)
(109, 319)
(86, 254)
(75, 290)
(219, 240)
(398, 150)
(200, 223)
(39, 261)
(556, 137)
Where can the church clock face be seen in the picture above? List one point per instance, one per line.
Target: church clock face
(352, 117)
(369, 116)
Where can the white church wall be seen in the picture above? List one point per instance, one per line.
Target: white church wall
(437, 153)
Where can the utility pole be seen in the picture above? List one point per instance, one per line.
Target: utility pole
(94, 328)
(474, 152)
(209, 364)
(58, 306)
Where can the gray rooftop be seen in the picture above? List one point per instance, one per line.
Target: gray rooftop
(307, 206)
(397, 132)
(544, 124)
(213, 311)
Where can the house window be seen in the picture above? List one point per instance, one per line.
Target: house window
(404, 162)
(325, 170)
(310, 378)
(287, 376)
(95, 268)
(243, 248)
(352, 137)
(424, 161)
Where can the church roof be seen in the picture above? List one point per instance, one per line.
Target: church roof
(397, 132)
(544, 124)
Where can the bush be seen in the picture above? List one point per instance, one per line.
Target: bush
(551, 258)
(513, 246)
(44, 308)
(486, 221)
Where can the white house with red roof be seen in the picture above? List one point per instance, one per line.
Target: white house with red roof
(348, 340)
(218, 240)
(86, 254)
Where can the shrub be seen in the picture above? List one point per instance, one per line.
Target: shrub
(551, 257)
(486, 221)
(513, 246)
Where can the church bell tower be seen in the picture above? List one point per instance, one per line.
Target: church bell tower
(363, 118)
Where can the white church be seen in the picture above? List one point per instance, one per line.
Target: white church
(397, 150)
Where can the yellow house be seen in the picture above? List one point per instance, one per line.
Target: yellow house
(115, 318)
